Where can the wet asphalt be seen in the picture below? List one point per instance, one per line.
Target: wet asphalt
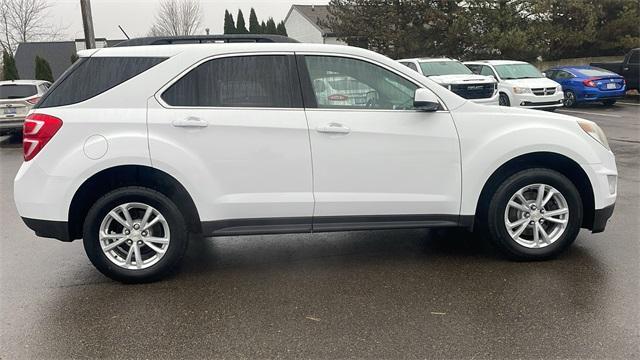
(368, 294)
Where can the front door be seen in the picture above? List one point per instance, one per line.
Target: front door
(377, 162)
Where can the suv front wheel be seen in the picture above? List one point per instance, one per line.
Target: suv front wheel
(535, 214)
(135, 235)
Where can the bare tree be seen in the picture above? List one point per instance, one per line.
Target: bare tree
(25, 20)
(177, 17)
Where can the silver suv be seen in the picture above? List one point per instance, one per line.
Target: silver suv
(17, 97)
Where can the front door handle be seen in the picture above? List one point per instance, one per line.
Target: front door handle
(333, 128)
(190, 121)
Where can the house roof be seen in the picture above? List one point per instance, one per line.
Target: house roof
(57, 53)
(315, 14)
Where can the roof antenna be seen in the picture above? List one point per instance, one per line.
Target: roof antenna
(125, 34)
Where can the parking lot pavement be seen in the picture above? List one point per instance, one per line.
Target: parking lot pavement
(377, 294)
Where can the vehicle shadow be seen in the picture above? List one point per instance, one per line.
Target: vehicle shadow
(11, 141)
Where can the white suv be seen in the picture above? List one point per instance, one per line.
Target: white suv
(134, 148)
(521, 84)
(456, 77)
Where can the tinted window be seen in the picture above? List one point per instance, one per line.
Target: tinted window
(13, 91)
(411, 66)
(474, 68)
(595, 72)
(487, 71)
(350, 83)
(635, 57)
(243, 81)
(92, 76)
(563, 75)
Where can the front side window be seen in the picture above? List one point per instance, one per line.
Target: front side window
(350, 83)
(518, 71)
(563, 75)
(487, 71)
(242, 81)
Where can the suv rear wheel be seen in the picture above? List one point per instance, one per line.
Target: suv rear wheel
(135, 235)
(535, 214)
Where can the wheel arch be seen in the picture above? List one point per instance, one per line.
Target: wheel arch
(130, 175)
(550, 160)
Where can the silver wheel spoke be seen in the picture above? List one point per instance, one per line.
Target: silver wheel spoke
(136, 250)
(536, 235)
(114, 244)
(145, 218)
(153, 247)
(517, 223)
(119, 219)
(152, 222)
(520, 230)
(540, 196)
(548, 197)
(521, 197)
(518, 206)
(545, 236)
(129, 256)
(157, 240)
(127, 215)
(111, 236)
(551, 213)
(557, 221)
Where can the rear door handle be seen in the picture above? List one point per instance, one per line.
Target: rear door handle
(191, 121)
(333, 128)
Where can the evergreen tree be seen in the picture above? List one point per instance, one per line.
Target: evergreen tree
(254, 25)
(280, 29)
(43, 70)
(240, 26)
(271, 27)
(229, 25)
(263, 27)
(9, 69)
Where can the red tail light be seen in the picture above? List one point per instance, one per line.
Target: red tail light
(33, 100)
(37, 130)
(338, 97)
(589, 83)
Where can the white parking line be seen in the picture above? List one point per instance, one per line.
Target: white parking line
(589, 113)
(627, 103)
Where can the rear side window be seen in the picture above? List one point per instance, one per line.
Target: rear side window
(14, 91)
(243, 81)
(93, 76)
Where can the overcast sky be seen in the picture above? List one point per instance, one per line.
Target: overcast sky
(136, 16)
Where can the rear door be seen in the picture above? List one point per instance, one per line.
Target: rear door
(234, 129)
(380, 163)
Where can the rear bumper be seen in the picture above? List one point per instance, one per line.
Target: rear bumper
(49, 228)
(600, 218)
(599, 95)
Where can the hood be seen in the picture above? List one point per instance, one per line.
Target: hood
(462, 79)
(531, 83)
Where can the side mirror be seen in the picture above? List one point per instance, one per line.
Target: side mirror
(425, 100)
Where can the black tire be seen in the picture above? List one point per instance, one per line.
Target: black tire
(503, 100)
(496, 214)
(609, 102)
(175, 250)
(569, 98)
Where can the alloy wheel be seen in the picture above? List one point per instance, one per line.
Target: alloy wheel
(536, 216)
(134, 236)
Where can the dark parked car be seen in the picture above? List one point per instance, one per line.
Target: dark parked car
(629, 68)
(583, 84)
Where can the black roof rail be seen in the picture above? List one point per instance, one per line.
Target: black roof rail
(200, 39)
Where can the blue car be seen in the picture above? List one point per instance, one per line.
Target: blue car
(586, 84)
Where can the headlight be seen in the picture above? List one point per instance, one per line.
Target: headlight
(595, 132)
(559, 88)
(521, 90)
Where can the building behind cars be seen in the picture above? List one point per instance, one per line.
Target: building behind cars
(520, 84)
(456, 77)
(308, 23)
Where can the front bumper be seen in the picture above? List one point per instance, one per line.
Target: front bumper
(531, 101)
(487, 101)
(600, 218)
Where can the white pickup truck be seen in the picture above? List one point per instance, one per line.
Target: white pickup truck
(456, 77)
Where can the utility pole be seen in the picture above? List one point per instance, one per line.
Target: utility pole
(87, 23)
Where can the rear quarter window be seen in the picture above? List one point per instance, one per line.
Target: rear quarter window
(92, 76)
(17, 91)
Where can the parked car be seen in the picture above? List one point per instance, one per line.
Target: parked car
(341, 91)
(17, 97)
(629, 68)
(520, 84)
(456, 77)
(582, 84)
(135, 148)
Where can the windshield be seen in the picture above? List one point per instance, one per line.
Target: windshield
(518, 71)
(445, 67)
(13, 91)
(594, 72)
